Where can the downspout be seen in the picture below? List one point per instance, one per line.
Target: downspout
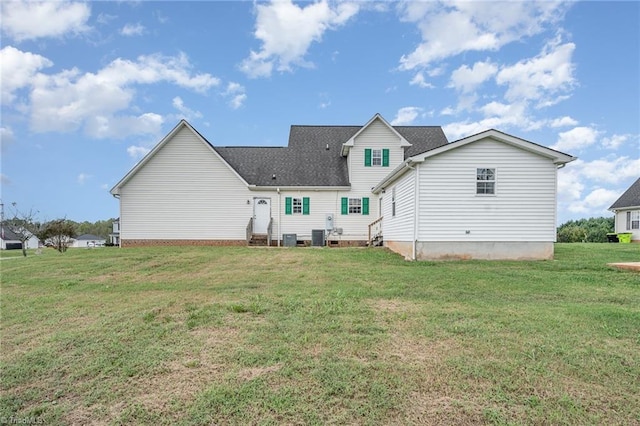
(416, 204)
(117, 197)
(279, 215)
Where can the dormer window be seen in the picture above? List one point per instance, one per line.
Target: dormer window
(376, 157)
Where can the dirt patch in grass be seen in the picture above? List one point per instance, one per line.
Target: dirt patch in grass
(395, 306)
(432, 409)
(251, 373)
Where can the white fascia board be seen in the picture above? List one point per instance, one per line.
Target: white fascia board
(396, 173)
(619, 209)
(557, 156)
(299, 188)
(183, 123)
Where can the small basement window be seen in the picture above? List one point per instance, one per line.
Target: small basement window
(485, 181)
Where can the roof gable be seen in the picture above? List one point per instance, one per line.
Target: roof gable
(377, 117)
(557, 157)
(313, 157)
(630, 198)
(183, 124)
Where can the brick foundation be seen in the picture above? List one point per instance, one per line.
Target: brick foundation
(160, 243)
(169, 243)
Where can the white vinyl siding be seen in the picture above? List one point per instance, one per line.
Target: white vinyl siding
(185, 191)
(400, 226)
(354, 226)
(523, 209)
(377, 136)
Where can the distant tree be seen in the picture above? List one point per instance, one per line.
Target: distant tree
(22, 224)
(592, 230)
(59, 233)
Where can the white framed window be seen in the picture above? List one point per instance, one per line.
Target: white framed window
(355, 205)
(633, 220)
(393, 201)
(296, 205)
(485, 181)
(376, 157)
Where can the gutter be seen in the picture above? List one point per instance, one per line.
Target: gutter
(400, 170)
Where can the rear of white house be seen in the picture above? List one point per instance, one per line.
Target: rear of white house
(187, 191)
(487, 196)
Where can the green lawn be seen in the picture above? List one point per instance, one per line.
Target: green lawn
(319, 336)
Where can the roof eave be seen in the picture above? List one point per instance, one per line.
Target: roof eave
(298, 188)
(616, 209)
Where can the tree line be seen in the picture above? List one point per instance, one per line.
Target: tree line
(592, 230)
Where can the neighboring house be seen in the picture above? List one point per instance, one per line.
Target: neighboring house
(115, 233)
(627, 211)
(88, 241)
(333, 182)
(10, 241)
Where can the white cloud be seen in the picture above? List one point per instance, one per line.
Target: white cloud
(4, 179)
(99, 102)
(17, 69)
(543, 78)
(28, 20)
(497, 116)
(185, 112)
(563, 122)
(6, 137)
(595, 203)
(420, 81)
(466, 79)
(137, 152)
(611, 169)
(132, 30)
(590, 187)
(576, 139)
(82, 178)
(287, 30)
(406, 116)
(449, 29)
(236, 92)
(615, 141)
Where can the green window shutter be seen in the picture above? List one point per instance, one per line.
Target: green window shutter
(385, 158)
(345, 205)
(367, 157)
(305, 205)
(365, 205)
(287, 205)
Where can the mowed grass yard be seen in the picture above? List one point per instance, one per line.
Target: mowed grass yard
(206, 335)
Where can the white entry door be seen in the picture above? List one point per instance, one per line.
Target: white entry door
(261, 215)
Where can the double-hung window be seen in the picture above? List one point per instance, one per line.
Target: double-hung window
(376, 157)
(355, 205)
(633, 220)
(296, 205)
(485, 181)
(393, 201)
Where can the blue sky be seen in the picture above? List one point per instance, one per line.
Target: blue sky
(88, 88)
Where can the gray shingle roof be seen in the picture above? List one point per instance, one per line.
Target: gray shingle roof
(306, 161)
(630, 198)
